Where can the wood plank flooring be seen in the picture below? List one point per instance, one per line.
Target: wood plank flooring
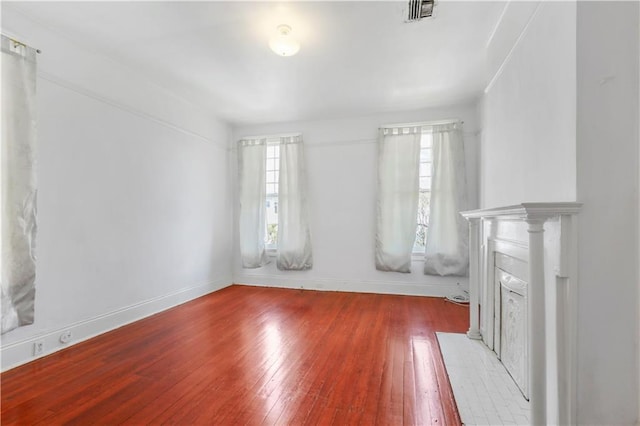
(250, 355)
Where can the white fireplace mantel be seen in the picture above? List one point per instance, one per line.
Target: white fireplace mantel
(543, 235)
(526, 211)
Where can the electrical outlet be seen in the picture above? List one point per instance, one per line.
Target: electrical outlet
(38, 347)
(65, 337)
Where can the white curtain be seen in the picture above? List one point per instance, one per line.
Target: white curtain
(398, 185)
(294, 240)
(18, 229)
(446, 251)
(251, 165)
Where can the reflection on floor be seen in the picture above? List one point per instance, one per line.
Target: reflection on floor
(483, 390)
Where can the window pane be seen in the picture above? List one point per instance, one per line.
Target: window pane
(271, 164)
(422, 221)
(422, 225)
(272, 209)
(271, 237)
(271, 177)
(421, 239)
(425, 183)
(425, 169)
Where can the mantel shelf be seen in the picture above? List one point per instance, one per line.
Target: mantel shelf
(526, 211)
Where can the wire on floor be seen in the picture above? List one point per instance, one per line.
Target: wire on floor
(461, 299)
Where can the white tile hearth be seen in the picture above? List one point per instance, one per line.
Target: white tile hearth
(484, 391)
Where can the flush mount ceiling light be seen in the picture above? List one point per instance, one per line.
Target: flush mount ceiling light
(283, 44)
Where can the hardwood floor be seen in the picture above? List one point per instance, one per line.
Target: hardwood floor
(250, 355)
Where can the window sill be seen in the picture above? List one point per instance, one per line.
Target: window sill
(271, 252)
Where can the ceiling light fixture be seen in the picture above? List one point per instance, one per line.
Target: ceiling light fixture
(283, 44)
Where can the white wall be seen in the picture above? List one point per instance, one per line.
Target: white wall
(134, 211)
(607, 169)
(341, 165)
(529, 107)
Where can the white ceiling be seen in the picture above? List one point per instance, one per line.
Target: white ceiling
(356, 57)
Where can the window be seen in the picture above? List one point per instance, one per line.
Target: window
(271, 216)
(426, 159)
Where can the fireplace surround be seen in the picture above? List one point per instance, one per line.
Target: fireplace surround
(523, 293)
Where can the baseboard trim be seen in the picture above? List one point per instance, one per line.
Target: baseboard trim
(448, 287)
(21, 352)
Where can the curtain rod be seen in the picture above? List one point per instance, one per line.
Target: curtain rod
(276, 135)
(422, 123)
(18, 42)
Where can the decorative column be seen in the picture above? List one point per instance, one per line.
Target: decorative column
(474, 279)
(536, 307)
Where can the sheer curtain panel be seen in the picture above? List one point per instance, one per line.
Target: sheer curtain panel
(18, 230)
(294, 240)
(398, 185)
(251, 166)
(446, 251)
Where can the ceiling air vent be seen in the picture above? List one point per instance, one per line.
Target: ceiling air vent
(419, 9)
